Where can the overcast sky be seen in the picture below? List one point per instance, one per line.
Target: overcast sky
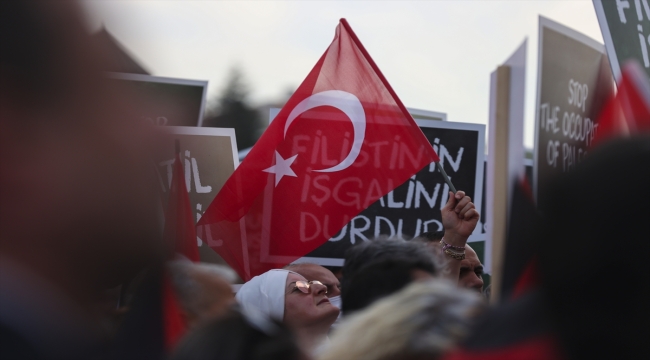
(437, 55)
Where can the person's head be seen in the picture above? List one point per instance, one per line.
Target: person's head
(77, 200)
(423, 321)
(381, 278)
(595, 237)
(471, 271)
(287, 296)
(203, 289)
(307, 307)
(432, 236)
(239, 335)
(316, 272)
(359, 256)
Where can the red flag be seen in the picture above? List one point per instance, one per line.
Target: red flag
(180, 234)
(342, 141)
(628, 112)
(173, 320)
(520, 265)
(180, 231)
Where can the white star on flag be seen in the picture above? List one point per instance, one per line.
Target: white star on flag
(282, 167)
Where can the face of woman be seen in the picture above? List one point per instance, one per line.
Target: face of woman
(303, 310)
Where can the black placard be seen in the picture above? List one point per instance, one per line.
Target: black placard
(164, 101)
(414, 207)
(626, 29)
(574, 82)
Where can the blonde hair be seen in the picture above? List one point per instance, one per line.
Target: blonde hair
(188, 288)
(424, 319)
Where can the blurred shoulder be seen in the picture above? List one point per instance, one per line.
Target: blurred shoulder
(14, 346)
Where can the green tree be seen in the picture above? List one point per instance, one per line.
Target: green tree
(232, 109)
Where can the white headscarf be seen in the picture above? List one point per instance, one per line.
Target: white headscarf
(265, 293)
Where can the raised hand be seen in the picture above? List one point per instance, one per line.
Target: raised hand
(459, 216)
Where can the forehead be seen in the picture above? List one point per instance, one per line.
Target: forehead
(316, 272)
(471, 258)
(294, 277)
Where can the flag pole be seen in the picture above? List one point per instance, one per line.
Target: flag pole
(444, 175)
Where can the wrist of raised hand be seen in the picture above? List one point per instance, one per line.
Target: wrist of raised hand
(455, 239)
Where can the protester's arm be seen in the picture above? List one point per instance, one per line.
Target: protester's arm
(459, 218)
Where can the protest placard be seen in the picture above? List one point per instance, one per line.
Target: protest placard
(574, 82)
(209, 157)
(165, 101)
(626, 31)
(414, 207)
(506, 148)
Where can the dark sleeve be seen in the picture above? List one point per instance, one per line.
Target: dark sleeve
(14, 346)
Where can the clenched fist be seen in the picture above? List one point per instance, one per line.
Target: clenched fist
(459, 217)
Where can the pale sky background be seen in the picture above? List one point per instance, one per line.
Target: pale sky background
(437, 55)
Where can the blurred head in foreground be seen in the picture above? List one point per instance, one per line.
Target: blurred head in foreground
(381, 278)
(381, 267)
(364, 253)
(422, 321)
(245, 336)
(77, 213)
(75, 170)
(287, 296)
(203, 289)
(596, 227)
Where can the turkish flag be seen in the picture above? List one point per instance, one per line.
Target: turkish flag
(342, 141)
(628, 112)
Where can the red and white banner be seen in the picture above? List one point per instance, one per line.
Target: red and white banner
(342, 141)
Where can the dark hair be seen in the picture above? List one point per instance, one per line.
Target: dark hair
(238, 336)
(380, 278)
(336, 270)
(359, 256)
(431, 236)
(593, 253)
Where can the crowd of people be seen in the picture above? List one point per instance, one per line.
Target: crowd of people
(428, 295)
(80, 255)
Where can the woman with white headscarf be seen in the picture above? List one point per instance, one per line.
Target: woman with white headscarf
(287, 296)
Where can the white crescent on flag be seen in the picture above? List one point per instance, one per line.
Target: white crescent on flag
(350, 106)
